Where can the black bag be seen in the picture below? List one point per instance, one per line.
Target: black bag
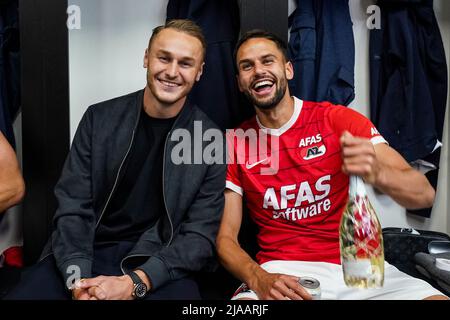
(401, 244)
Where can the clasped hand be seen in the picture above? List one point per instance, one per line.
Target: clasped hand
(104, 288)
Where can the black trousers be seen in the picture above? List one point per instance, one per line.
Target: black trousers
(43, 281)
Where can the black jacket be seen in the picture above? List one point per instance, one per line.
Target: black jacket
(181, 241)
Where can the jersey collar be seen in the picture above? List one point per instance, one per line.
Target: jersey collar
(285, 127)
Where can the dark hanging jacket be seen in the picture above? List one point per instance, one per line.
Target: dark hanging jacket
(408, 88)
(216, 93)
(322, 50)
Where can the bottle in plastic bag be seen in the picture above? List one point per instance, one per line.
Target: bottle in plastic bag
(361, 240)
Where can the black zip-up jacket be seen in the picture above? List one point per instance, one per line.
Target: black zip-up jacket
(182, 241)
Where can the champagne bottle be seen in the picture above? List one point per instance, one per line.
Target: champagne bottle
(361, 240)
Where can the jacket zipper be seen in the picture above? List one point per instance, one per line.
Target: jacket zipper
(163, 191)
(115, 182)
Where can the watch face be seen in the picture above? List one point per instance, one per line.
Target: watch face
(140, 290)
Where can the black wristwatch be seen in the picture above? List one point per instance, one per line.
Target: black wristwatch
(140, 288)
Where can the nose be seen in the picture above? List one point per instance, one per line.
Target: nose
(172, 70)
(260, 69)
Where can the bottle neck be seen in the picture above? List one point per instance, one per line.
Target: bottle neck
(356, 186)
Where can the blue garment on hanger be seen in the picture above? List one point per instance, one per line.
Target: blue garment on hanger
(322, 50)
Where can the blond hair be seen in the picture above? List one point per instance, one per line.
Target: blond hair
(183, 25)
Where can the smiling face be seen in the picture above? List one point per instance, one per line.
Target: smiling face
(263, 72)
(174, 62)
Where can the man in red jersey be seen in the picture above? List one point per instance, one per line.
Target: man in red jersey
(298, 207)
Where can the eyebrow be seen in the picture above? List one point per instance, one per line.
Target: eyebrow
(263, 57)
(162, 51)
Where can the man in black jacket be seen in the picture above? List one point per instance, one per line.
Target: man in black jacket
(133, 220)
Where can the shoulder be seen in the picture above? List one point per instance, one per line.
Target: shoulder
(332, 112)
(323, 106)
(116, 104)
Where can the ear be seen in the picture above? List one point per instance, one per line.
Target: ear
(200, 72)
(146, 58)
(289, 69)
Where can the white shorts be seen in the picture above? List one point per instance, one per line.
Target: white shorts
(397, 285)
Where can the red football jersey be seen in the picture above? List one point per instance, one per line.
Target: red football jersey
(292, 181)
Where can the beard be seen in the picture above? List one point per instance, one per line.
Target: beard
(271, 103)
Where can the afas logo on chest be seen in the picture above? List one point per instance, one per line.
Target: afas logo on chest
(312, 147)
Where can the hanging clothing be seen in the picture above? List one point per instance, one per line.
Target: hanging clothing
(9, 67)
(408, 89)
(322, 50)
(216, 93)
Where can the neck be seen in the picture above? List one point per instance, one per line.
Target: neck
(276, 117)
(156, 109)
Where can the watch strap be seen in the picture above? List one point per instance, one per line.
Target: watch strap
(134, 276)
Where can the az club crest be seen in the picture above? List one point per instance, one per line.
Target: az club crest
(313, 152)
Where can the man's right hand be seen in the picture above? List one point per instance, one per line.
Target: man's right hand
(276, 286)
(81, 294)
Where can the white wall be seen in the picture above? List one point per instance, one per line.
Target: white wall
(390, 213)
(106, 54)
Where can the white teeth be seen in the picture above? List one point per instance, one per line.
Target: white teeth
(263, 83)
(169, 84)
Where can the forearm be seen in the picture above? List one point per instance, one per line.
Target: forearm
(408, 187)
(73, 237)
(11, 193)
(238, 262)
(12, 187)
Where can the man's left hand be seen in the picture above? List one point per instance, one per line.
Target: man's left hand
(359, 158)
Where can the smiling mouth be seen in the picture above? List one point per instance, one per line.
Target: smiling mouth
(263, 87)
(169, 84)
